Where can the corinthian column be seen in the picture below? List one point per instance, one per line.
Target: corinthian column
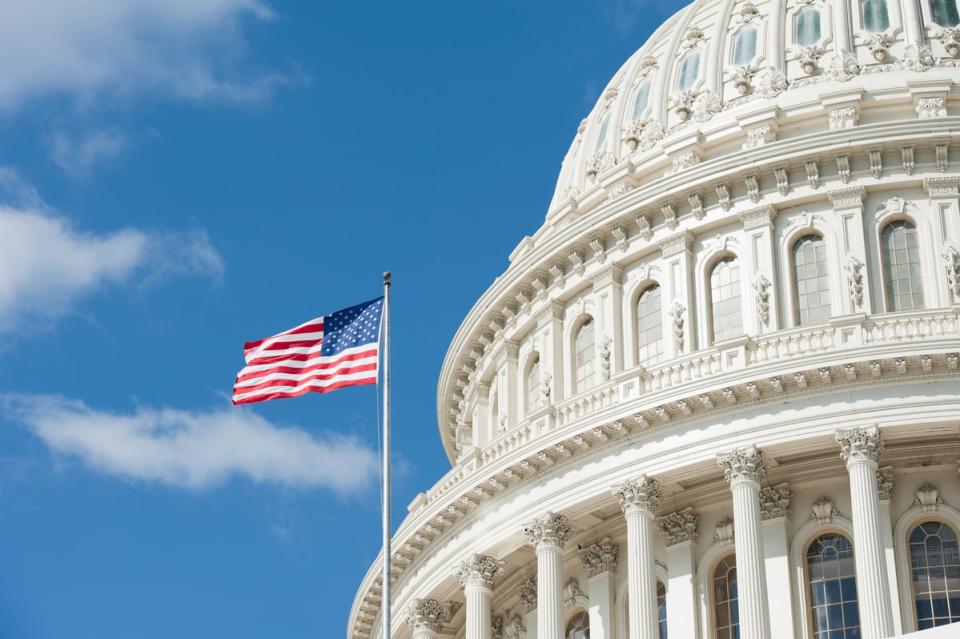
(639, 498)
(861, 448)
(427, 616)
(744, 469)
(477, 575)
(549, 533)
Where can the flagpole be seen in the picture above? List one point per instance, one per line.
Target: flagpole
(386, 456)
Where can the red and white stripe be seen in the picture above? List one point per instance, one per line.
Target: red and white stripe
(289, 364)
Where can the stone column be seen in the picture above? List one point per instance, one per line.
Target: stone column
(528, 600)
(679, 531)
(549, 533)
(744, 469)
(639, 498)
(861, 448)
(600, 563)
(885, 481)
(774, 513)
(427, 616)
(477, 575)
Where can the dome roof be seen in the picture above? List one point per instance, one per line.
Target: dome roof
(716, 60)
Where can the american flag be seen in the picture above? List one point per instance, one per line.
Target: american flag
(326, 353)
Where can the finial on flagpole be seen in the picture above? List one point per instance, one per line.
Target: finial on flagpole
(386, 278)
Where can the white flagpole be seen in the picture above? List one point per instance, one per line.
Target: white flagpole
(386, 456)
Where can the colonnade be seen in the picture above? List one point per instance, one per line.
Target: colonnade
(758, 515)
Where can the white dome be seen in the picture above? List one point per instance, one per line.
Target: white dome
(758, 262)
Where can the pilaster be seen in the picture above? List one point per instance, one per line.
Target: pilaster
(848, 208)
(774, 514)
(678, 291)
(761, 259)
(608, 289)
(600, 563)
(679, 531)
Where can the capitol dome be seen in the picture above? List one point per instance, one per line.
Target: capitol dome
(717, 393)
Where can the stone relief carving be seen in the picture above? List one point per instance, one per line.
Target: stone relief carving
(724, 532)
(605, 357)
(761, 286)
(646, 231)
(928, 497)
(743, 464)
(769, 82)
(431, 614)
(679, 526)
(528, 594)
(573, 595)
(600, 557)
(823, 510)
(496, 627)
(950, 38)
(841, 66)
(642, 134)
(480, 570)
(844, 118)
(951, 262)
(809, 58)
(676, 315)
(642, 493)
(775, 502)
(878, 43)
(552, 529)
(854, 268)
(601, 161)
(885, 483)
(931, 107)
(860, 444)
(917, 57)
(516, 628)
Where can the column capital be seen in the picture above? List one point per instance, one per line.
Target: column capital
(430, 614)
(775, 502)
(642, 493)
(479, 570)
(600, 557)
(551, 529)
(679, 526)
(743, 465)
(528, 594)
(860, 444)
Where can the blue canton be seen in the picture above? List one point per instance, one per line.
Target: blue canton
(352, 327)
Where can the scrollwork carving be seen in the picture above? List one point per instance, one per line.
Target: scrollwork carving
(775, 502)
(860, 444)
(854, 268)
(552, 529)
(761, 286)
(642, 493)
(600, 557)
(743, 464)
(680, 526)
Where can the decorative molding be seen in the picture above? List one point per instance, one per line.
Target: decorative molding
(775, 502)
(860, 444)
(927, 497)
(599, 557)
(931, 107)
(761, 286)
(528, 594)
(677, 315)
(854, 268)
(480, 571)
(743, 464)
(724, 532)
(845, 117)
(885, 482)
(823, 510)
(948, 187)
(551, 529)
(951, 264)
(642, 493)
(573, 595)
(679, 526)
(431, 614)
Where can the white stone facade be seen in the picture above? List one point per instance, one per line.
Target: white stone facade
(796, 383)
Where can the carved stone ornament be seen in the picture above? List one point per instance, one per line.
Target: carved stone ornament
(646, 232)
(573, 595)
(917, 57)
(769, 82)
(515, 628)
(676, 314)
(742, 78)
(950, 39)
(551, 529)
(860, 444)
(685, 160)
(761, 286)
(885, 483)
(496, 627)
(430, 614)
(680, 526)
(743, 464)
(931, 107)
(809, 57)
(682, 103)
(878, 43)
(854, 268)
(823, 510)
(545, 387)
(748, 13)
(600, 557)
(759, 136)
(605, 357)
(841, 66)
(642, 493)
(724, 532)
(642, 134)
(774, 502)
(528, 594)
(706, 105)
(928, 497)
(951, 262)
(844, 118)
(479, 570)
(600, 161)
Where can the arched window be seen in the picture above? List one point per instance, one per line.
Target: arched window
(833, 588)
(584, 355)
(649, 326)
(725, 299)
(726, 616)
(811, 280)
(578, 627)
(689, 71)
(602, 136)
(662, 609)
(745, 46)
(533, 385)
(808, 27)
(945, 12)
(935, 574)
(875, 16)
(902, 279)
(640, 99)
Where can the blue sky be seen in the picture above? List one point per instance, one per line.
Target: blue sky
(179, 176)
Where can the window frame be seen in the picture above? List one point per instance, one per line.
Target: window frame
(678, 73)
(805, 535)
(882, 218)
(930, 23)
(711, 265)
(575, 384)
(796, 238)
(644, 81)
(647, 285)
(795, 30)
(808, 604)
(732, 55)
(572, 616)
(533, 359)
(861, 13)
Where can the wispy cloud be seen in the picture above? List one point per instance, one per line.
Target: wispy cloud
(626, 16)
(76, 155)
(47, 265)
(194, 449)
(187, 49)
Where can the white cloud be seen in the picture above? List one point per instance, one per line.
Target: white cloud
(194, 450)
(191, 49)
(46, 264)
(76, 155)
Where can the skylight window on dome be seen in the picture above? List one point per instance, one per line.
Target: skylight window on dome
(945, 12)
(745, 46)
(875, 15)
(689, 71)
(602, 137)
(808, 27)
(640, 100)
